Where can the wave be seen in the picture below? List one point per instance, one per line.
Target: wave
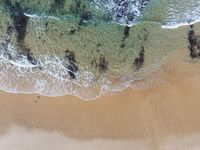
(50, 77)
(122, 11)
(180, 24)
(182, 13)
(20, 76)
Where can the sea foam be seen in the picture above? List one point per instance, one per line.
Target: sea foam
(18, 75)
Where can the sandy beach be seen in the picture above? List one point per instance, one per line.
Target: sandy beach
(165, 117)
(89, 48)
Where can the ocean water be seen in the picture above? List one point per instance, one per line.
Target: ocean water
(88, 48)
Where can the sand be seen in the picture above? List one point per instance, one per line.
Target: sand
(166, 117)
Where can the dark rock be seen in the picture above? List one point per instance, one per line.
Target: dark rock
(72, 31)
(103, 64)
(85, 17)
(72, 67)
(76, 7)
(193, 53)
(122, 45)
(46, 25)
(126, 32)
(10, 30)
(194, 43)
(57, 5)
(192, 38)
(70, 55)
(20, 21)
(139, 61)
(98, 45)
(72, 70)
(94, 63)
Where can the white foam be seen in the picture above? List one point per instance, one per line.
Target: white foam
(182, 14)
(36, 16)
(179, 25)
(124, 9)
(53, 79)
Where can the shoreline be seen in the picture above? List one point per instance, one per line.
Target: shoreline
(181, 25)
(181, 85)
(156, 117)
(154, 105)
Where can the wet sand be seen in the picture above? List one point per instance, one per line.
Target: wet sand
(165, 117)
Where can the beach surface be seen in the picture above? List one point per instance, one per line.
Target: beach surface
(166, 117)
(139, 86)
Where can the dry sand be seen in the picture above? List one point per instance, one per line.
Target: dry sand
(166, 117)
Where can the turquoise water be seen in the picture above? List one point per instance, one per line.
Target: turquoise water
(80, 47)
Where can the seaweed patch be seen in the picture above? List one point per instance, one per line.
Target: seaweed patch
(72, 67)
(57, 5)
(103, 64)
(20, 22)
(85, 17)
(77, 7)
(194, 43)
(126, 32)
(139, 61)
(125, 36)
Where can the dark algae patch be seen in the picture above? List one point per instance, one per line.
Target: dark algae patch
(57, 5)
(72, 66)
(77, 7)
(139, 61)
(126, 32)
(85, 17)
(194, 43)
(125, 36)
(20, 22)
(9, 31)
(70, 55)
(103, 64)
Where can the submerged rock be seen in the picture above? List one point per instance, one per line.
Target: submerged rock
(85, 17)
(194, 43)
(57, 5)
(139, 61)
(20, 22)
(72, 67)
(103, 64)
(126, 32)
(72, 70)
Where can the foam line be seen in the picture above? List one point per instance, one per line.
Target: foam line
(179, 25)
(35, 16)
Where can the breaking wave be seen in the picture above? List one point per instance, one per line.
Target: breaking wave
(20, 76)
(181, 13)
(125, 12)
(49, 76)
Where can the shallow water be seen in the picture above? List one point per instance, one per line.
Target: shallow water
(36, 63)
